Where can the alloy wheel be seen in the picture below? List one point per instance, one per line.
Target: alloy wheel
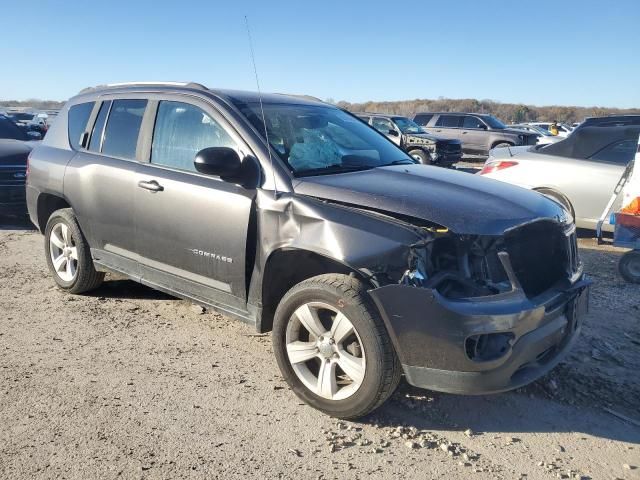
(63, 251)
(325, 351)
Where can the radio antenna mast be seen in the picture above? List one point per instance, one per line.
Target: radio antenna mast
(264, 121)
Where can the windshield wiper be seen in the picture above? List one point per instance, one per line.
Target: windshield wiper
(404, 161)
(332, 169)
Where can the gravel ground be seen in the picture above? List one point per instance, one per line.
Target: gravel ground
(130, 383)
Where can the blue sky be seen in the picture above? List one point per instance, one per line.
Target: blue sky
(568, 52)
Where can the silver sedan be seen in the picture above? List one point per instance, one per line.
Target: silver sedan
(581, 172)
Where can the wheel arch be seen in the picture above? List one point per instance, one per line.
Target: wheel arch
(279, 276)
(498, 142)
(47, 204)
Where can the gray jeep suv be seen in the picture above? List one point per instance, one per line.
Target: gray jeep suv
(296, 217)
(478, 133)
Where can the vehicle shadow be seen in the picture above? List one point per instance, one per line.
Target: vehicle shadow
(16, 222)
(116, 287)
(507, 413)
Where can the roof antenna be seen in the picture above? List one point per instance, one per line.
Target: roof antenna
(509, 148)
(264, 121)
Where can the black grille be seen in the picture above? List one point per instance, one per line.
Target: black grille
(449, 147)
(12, 175)
(541, 254)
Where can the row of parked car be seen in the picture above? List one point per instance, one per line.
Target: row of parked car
(442, 138)
(35, 124)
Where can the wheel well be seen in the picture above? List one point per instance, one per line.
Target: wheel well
(498, 142)
(561, 197)
(286, 268)
(47, 204)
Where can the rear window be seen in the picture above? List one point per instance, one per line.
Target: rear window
(78, 118)
(423, 118)
(451, 121)
(121, 133)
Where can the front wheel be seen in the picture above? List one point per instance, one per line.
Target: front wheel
(502, 145)
(332, 347)
(421, 156)
(629, 266)
(68, 254)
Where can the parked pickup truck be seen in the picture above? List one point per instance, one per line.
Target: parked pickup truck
(478, 133)
(296, 217)
(413, 139)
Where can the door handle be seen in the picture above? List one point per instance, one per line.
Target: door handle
(464, 133)
(151, 185)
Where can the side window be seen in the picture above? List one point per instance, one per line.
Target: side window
(364, 119)
(78, 118)
(448, 121)
(620, 153)
(382, 125)
(423, 119)
(472, 122)
(96, 135)
(181, 131)
(121, 133)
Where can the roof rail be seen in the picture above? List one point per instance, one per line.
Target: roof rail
(151, 83)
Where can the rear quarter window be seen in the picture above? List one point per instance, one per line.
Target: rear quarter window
(78, 117)
(123, 126)
(423, 118)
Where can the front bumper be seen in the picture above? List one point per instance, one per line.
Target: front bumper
(431, 335)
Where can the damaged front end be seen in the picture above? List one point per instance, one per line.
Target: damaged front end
(486, 313)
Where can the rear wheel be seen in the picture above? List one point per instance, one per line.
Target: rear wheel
(68, 255)
(502, 145)
(421, 156)
(332, 347)
(629, 266)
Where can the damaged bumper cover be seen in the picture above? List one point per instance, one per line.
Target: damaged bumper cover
(481, 345)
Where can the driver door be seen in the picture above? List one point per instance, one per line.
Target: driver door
(191, 228)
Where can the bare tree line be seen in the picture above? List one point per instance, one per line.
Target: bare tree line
(507, 112)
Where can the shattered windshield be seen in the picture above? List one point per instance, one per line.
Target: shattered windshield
(314, 139)
(407, 126)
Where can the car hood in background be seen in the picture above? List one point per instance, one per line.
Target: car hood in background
(420, 137)
(14, 152)
(462, 202)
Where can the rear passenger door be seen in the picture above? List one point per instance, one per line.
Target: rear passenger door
(191, 228)
(100, 180)
(448, 126)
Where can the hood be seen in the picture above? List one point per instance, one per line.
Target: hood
(462, 202)
(515, 131)
(14, 152)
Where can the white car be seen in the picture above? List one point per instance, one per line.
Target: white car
(580, 172)
(544, 137)
(563, 130)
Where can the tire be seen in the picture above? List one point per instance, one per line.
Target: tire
(64, 240)
(629, 266)
(368, 345)
(423, 157)
(502, 145)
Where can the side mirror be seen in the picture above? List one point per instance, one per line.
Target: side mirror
(225, 163)
(393, 133)
(220, 161)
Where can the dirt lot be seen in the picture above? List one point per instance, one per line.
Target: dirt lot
(131, 383)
